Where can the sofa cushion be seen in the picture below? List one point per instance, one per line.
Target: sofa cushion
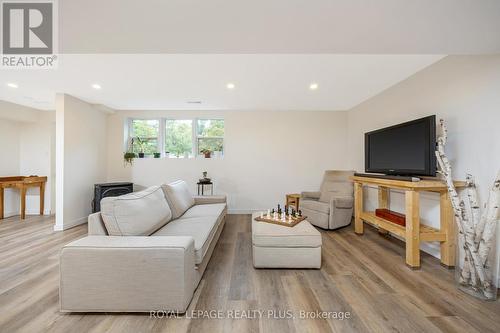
(178, 196)
(317, 218)
(315, 205)
(205, 210)
(136, 214)
(344, 202)
(201, 228)
(336, 183)
(332, 189)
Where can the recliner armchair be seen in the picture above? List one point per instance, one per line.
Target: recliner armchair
(331, 207)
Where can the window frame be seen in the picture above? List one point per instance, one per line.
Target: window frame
(208, 137)
(162, 133)
(131, 134)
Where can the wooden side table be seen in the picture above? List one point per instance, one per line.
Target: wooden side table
(293, 200)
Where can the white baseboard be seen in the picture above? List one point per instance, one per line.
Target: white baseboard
(69, 225)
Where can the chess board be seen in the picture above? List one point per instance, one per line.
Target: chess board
(292, 223)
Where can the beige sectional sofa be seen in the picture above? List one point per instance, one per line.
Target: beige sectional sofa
(145, 251)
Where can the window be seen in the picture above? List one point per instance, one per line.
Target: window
(145, 136)
(177, 138)
(210, 136)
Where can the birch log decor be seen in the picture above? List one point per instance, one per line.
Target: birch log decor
(476, 227)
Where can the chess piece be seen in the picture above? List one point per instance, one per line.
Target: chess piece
(300, 213)
(279, 209)
(268, 213)
(293, 212)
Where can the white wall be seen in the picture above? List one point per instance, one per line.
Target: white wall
(9, 165)
(465, 92)
(35, 159)
(80, 158)
(267, 154)
(25, 144)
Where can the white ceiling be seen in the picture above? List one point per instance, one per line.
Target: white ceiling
(280, 26)
(168, 82)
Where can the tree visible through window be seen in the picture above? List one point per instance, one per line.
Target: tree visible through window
(210, 135)
(179, 137)
(145, 135)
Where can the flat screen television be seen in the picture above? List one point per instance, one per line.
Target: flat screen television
(407, 149)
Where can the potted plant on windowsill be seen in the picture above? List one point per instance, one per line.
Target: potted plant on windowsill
(141, 144)
(207, 153)
(156, 155)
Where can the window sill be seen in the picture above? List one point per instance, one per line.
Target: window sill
(180, 158)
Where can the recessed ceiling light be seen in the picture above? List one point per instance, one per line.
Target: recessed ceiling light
(96, 86)
(12, 85)
(313, 86)
(230, 86)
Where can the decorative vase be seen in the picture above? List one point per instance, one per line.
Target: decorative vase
(472, 285)
(141, 155)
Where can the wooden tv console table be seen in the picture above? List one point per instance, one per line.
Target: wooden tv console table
(414, 232)
(22, 183)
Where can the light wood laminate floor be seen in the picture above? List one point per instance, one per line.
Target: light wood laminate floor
(365, 276)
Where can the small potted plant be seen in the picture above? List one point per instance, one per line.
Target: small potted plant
(141, 143)
(156, 155)
(207, 153)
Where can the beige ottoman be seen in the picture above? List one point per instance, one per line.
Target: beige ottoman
(276, 246)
